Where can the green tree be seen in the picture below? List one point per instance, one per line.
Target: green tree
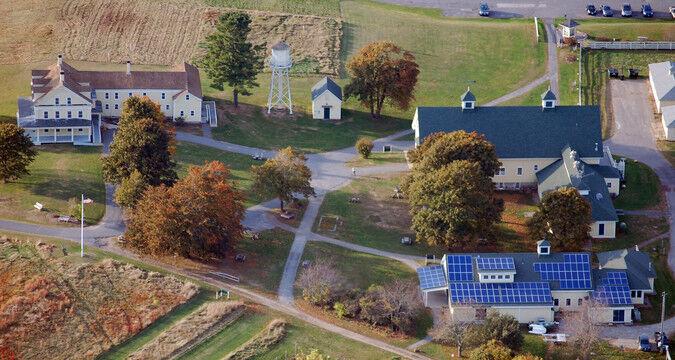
(364, 147)
(503, 328)
(16, 152)
(230, 58)
(454, 205)
(284, 175)
(492, 350)
(382, 71)
(564, 218)
(130, 190)
(145, 142)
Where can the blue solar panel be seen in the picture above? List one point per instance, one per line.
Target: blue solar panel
(573, 273)
(484, 263)
(496, 293)
(613, 294)
(459, 268)
(614, 278)
(431, 277)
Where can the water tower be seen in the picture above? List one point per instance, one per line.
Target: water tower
(280, 86)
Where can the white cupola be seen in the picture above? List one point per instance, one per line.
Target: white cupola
(548, 99)
(543, 247)
(468, 100)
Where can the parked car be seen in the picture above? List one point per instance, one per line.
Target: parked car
(643, 343)
(537, 329)
(607, 11)
(626, 10)
(591, 10)
(672, 11)
(613, 72)
(484, 9)
(647, 10)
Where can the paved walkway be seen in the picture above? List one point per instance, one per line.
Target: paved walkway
(551, 70)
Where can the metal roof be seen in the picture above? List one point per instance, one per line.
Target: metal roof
(638, 266)
(326, 84)
(467, 96)
(661, 75)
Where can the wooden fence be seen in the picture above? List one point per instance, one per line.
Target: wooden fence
(630, 45)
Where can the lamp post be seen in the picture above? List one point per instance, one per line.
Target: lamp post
(84, 201)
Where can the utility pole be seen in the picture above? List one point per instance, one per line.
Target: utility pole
(663, 311)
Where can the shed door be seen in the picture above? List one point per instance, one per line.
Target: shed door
(326, 113)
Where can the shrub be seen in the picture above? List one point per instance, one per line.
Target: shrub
(340, 309)
(321, 283)
(503, 328)
(492, 350)
(179, 121)
(396, 305)
(74, 208)
(364, 147)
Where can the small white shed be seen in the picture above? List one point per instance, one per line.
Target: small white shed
(569, 28)
(326, 100)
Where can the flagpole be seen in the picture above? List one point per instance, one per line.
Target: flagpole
(82, 227)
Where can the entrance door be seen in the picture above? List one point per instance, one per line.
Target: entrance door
(326, 113)
(618, 316)
(601, 229)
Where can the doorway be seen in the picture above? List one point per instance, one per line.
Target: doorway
(326, 113)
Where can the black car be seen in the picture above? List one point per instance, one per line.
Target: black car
(590, 10)
(647, 10)
(626, 10)
(607, 11)
(643, 343)
(613, 72)
(484, 9)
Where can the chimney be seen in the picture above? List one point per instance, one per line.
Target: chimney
(59, 60)
(128, 67)
(62, 76)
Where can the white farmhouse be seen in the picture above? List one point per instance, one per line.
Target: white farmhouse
(662, 82)
(326, 100)
(67, 105)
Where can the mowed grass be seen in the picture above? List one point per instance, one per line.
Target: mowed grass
(188, 154)
(329, 8)
(628, 30)
(643, 188)
(667, 148)
(639, 229)
(360, 269)
(58, 173)
(663, 282)
(532, 98)
(377, 158)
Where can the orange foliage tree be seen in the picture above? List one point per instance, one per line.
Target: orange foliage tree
(199, 216)
(380, 72)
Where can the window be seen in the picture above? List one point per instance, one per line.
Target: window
(56, 101)
(187, 96)
(117, 106)
(58, 130)
(468, 105)
(46, 130)
(601, 229)
(69, 101)
(145, 94)
(80, 130)
(485, 277)
(500, 186)
(117, 96)
(609, 185)
(69, 115)
(163, 96)
(500, 277)
(517, 185)
(79, 114)
(182, 113)
(167, 107)
(568, 302)
(555, 302)
(544, 250)
(579, 301)
(632, 293)
(618, 316)
(507, 276)
(130, 94)
(502, 171)
(45, 114)
(107, 96)
(57, 114)
(638, 294)
(192, 113)
(519, 171)
(492, 277)
(107, 106)
(70, 130)
(549, 104)
(536, 167)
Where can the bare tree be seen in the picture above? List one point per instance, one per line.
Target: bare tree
(452, 333)
(582, 327)
(321, 282)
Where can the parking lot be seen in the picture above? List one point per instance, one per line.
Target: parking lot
(528, 8)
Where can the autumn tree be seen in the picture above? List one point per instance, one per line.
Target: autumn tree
(229, 58)
(582, 329)
(16, 152)
(491, 350)
(452, 333)
(454, 205)
(563, 218)
(145, 141)
(382, 72)
(284, 175)
(321, 282)
(199, 216)
(130, 190)
(396, 305)
(364, 147)
(503, 328)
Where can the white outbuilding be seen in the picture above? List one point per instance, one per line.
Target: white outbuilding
(326, 100)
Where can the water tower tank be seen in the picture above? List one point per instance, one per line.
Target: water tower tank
(281, 55)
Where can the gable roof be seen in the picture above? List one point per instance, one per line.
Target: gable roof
(662, 76)
(548, 95)
(570, 23)
(637, 264)
(467, 96)
(520, 131)
(326, 84)
(668, 116)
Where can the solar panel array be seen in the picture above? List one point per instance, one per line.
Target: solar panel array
(613, 289)
(431, 277)
(501, 293)
(459, 268)
(484, 263)
(573, 273)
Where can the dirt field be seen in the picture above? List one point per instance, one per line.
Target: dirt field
(149, 32)
(47, 297)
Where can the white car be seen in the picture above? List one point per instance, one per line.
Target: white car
(537, 329)
(672, 11)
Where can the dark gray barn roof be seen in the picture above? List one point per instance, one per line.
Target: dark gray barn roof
(326, 84)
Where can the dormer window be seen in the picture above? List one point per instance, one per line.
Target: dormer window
(549, 104)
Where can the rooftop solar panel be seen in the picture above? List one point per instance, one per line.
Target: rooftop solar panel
(484, 263)
(431, 277)
(501, 293)
(613, 294)
(459, 268)
(614, 278)
(573, 273)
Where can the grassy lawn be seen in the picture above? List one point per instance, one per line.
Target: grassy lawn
(513, 229)
(568, 76)
(668, 150)
(310, 7)
(240, 166)
(360, 269)
(377, 158)
(643, 188)
(627, 30)
(59, 173)
(378, 221)
(664, 282)
(601, 351)
(532, 98)
(639, 229)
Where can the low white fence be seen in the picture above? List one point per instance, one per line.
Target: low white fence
(630, 45)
